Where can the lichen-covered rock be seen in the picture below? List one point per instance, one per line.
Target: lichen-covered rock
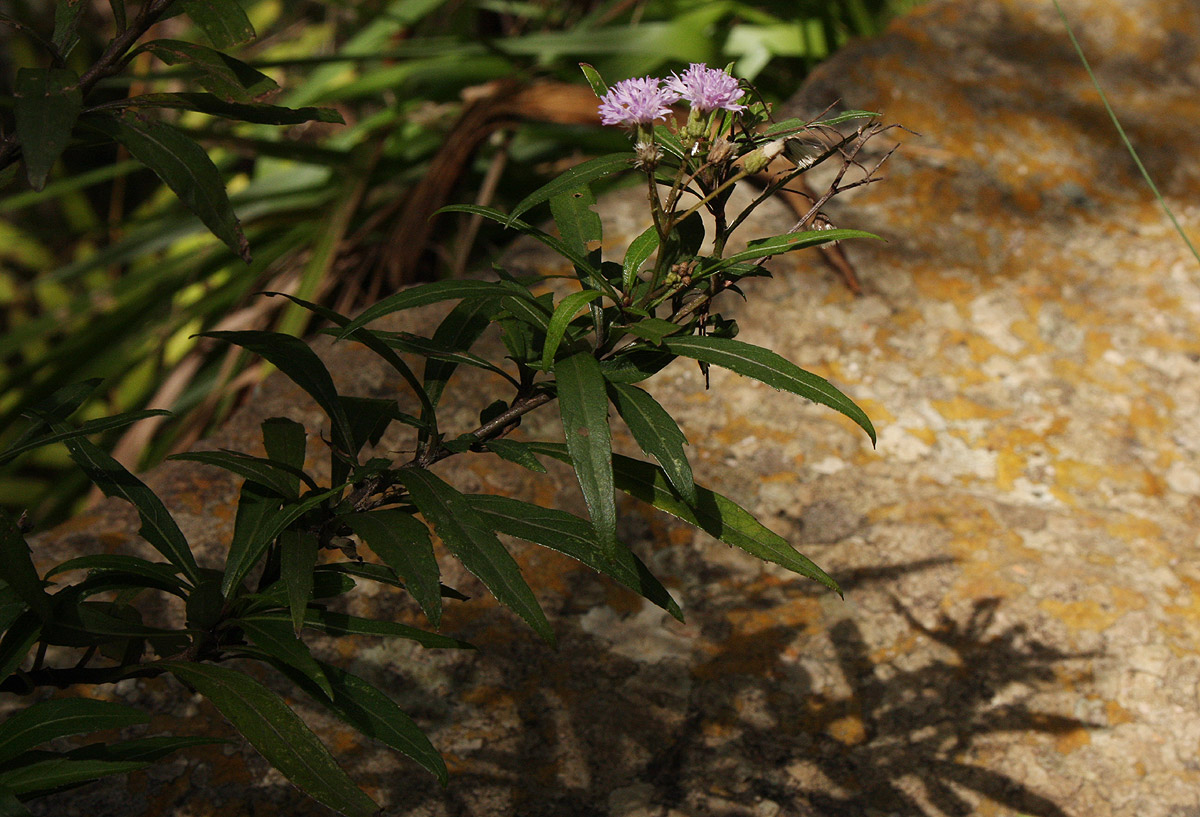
(1021, 627)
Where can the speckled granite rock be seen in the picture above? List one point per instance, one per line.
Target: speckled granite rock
(1021, 628)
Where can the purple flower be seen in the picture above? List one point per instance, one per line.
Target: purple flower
(636, 101)
(707, 88)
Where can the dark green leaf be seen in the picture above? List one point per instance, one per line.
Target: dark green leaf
(147, 749)
(369, 418)
(575, 537)
(184, 167)
(285, 441)
(374, 714)
(230, 80)
(118, 8)
(768, 367)
(47, 720)
(85, 430)
(278, 477)
(258, 522)
(327, 621)
(653, 329)
(158, 528)
(108, 619)
(258, 514)
(10, 806)
(425, 294)
(47, 102)
(635, 366)
(223, 21)
(119, 563)
(639, 250)
(657, 434)
(256, 112)
(278, 734)
(474, 544)
(514, 451)
(19, 572)
(584, 408)
(577, 176)
(459, 330)
(275, 636)
(567, 308)
(435, 351)
(669, 141)
(297, 557)
(378, 347)
(18, 640)
(403, 542)
(528, 311)
(776, 245)
(62, 772)
(66, 27)
(295, 359)
(578, 224)
(716, 515)
(60, 405)
(581, 262)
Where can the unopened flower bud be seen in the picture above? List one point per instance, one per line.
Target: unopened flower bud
(757, 160)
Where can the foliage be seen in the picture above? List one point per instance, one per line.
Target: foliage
(105, 274)
(285, 570)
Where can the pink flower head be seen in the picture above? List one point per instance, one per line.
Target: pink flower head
(707, 88)
(636, 101)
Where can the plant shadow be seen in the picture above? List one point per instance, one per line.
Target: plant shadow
(600, 732)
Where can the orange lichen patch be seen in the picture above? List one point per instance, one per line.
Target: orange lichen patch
(876, 411)
(1095, 344)
(1134, 527)
(1028, 332)
(848, 730)
(925, 435)
(1073, 740)
(945, 288)
(962, 408)
(1009, 466)
(1088, 614)
(1117, 714)
(900, 647)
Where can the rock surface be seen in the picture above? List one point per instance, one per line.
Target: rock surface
(1021, 627)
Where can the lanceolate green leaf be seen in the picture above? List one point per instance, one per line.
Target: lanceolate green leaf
(184, 167)
(158, 528)
(299, 362)
(229, 79)
(297, 557)
(425, 294)
(47, 720)
(657, 434)
(274, 636)
(580, 261)
(474, 543)
(66, 25)
(716, 515)
(594, 79)
(17, 641)
(47, 101)
(461, 327)
(373, 713)
(223, 21)
(789, 242)
(516, 452)
(285, 442)
(258, 113)
(404, 544)
(578, 224)
(768, 367)
(333, 623)
(567, 308)
(577, 176)
(62, 772)
(584, 407)
(281, 478)
(85, 430)
(639, 250)
(278, 734)
(575, 537)
(19, 572)
(157, 574)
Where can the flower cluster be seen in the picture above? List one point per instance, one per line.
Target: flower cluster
(640, 101)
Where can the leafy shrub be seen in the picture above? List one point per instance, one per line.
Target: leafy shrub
(585, 353)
